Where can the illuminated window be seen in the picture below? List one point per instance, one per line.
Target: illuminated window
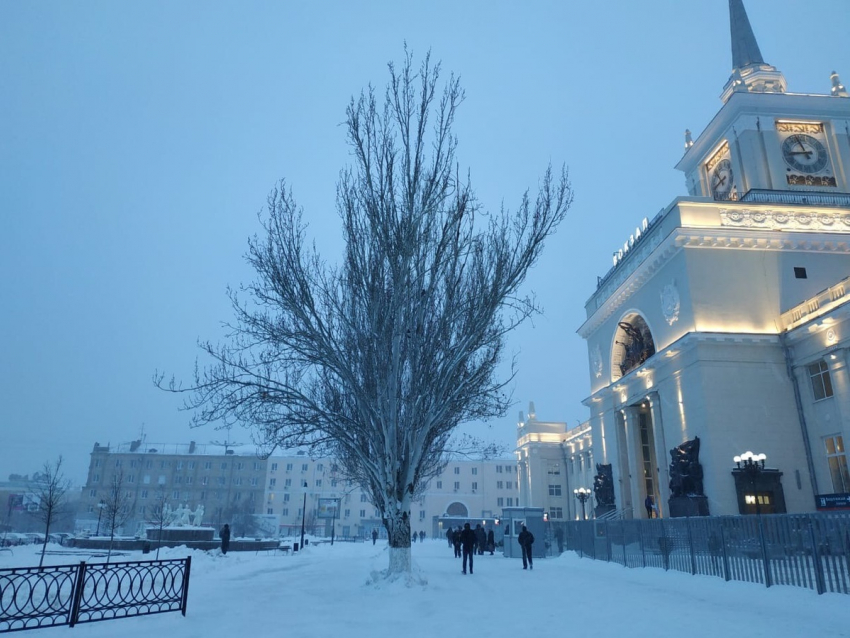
(837, 459)
(821, 383)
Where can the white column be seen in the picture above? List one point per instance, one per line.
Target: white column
(635, 467)
(661, 454)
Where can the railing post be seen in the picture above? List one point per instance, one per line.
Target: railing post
(764, 554)
(664, 546)
(818, 565)
(691, 546)
(640, 540)
(726, 575)
(185, 599)
(77, 595)
(608, 541)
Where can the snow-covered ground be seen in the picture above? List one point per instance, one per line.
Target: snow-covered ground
(326, 591)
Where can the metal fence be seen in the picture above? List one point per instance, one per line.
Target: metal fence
(806, 550)
(32, 597)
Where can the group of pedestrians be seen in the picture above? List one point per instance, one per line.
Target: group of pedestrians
(466, 542)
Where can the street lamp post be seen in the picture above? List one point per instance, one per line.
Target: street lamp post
(100, 507)
(582, 494)
(303, 516)
(752, 465)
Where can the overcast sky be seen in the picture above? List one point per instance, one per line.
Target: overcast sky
(138, 141)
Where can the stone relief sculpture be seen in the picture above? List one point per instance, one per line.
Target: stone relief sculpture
(670, 303)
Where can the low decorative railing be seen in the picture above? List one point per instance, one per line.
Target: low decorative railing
(33, 597)
(801, 550)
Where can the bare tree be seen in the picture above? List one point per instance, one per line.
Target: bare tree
(118, 504)
(49, 491)
(160, 515)
(376, 361)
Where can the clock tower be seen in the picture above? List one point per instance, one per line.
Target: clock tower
(766, 144)
(724, 323)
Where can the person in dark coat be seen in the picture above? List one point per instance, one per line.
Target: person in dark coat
(225, 538)
(468, 540)
(449, 535)
(422, 536)
(374, 536)
(491, 541)
(456, 541)
(526, 540)
(480, 539)
(649, 504)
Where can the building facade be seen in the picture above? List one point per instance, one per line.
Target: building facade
(226, 481)
(552, 463)
(281, 493)
(299, 489)
(722, 326)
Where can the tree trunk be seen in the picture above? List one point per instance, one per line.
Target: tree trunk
(44, 544)
(398, 535)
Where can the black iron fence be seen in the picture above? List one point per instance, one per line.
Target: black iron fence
(32, 597)
(805, 550)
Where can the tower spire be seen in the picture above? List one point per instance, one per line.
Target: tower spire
(750, 73)
(745, 49)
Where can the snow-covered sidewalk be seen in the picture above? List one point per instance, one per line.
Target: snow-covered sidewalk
(324, 591)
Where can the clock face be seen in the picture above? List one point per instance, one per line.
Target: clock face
(718, 171)
(804, 153)
(721, 179)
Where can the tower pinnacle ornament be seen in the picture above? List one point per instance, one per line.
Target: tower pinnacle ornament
(750, 73)
(838, 89)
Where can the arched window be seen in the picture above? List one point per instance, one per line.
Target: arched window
(457, 509)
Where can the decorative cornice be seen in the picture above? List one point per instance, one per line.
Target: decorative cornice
(790, 220)
(736, 237)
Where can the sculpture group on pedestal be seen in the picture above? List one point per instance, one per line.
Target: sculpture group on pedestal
(686, 490)
(603, 488)
(182, 515)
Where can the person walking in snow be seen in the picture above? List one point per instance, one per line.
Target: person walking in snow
(468, 540)
(224, 534)
(491, 542)
(526, 540)
(456, 541)
(480, 539)
(422, 536)
(374, 536)
(449, 534)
